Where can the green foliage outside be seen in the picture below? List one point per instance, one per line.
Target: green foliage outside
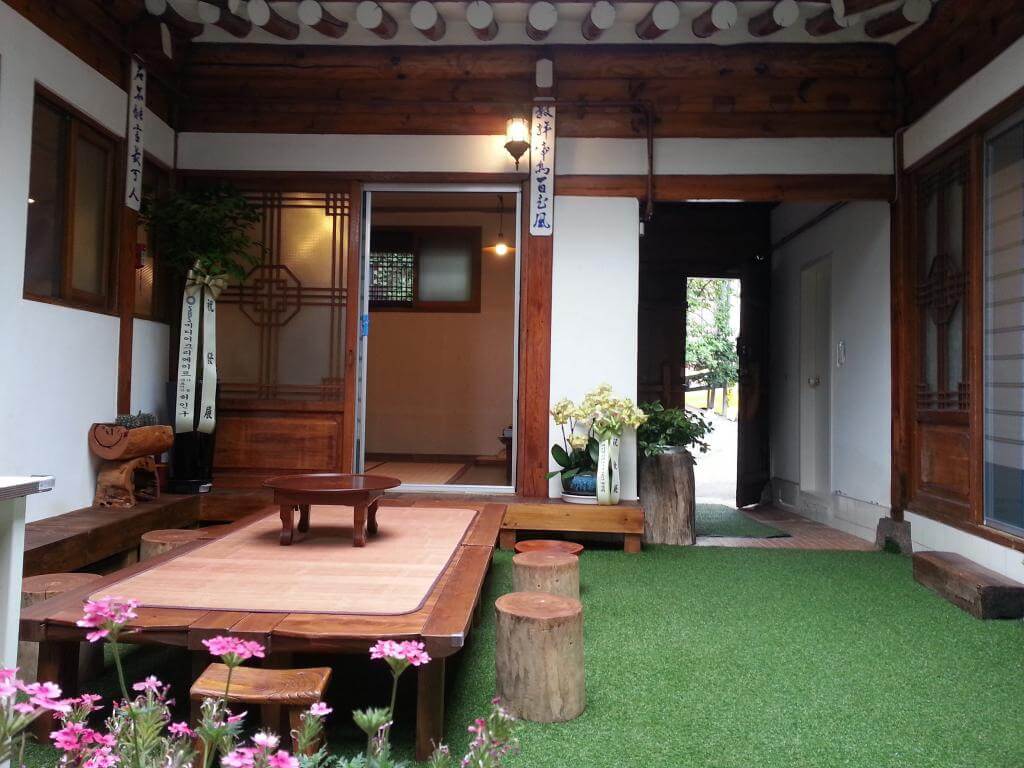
(670, 427)
(710, 339)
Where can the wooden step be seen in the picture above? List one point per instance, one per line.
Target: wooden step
(982, 593)
(626, 518)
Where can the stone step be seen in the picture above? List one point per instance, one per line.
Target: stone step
(982, 593)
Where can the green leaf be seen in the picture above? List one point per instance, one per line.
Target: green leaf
(559, 455)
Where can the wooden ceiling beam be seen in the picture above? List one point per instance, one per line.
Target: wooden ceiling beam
(910, 13)
(663, 17)
(373, 18)
(220, 15)
(599, 20)
(165, 12)
(826, 23)
(541, 19)
(262, 14)
(783, 14)
(480, 16)
(315, 16)
(719, 17)
(425, 17)
(843, 8)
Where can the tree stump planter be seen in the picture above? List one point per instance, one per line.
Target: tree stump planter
(36, 589)
(539, 656)
(667, 496)
(128, 472)
(555, 573)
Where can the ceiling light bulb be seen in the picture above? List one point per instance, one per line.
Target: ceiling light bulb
(501, 249)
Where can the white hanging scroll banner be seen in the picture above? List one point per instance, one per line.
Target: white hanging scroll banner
(200, 300)
(134, 143)
(542, 171)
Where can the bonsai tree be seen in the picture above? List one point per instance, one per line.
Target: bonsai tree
(203, 233)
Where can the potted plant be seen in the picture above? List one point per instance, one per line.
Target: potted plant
(665, 441)
(203, 233)
(589, 454)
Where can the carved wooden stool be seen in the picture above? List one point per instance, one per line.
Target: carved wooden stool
(557, 573)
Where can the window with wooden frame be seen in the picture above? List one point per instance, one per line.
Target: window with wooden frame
(941, 287)
(425, 269)
(154, 280)
(70, 235)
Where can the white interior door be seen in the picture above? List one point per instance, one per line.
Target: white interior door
(815, 364)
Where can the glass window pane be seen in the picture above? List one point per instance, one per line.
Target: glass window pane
(46, 204)
(1004, 327)
(446, 267)
(90, 221)
(931, 232)
(955, 217)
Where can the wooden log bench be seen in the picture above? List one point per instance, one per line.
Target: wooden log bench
(626, 519)
(557, 573)
(982, 593)
(293, 690)
(80, 539)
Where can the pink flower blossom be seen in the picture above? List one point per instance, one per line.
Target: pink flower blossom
(149, 684)
(101, 758)
(24, 708)
(411, 651)
(71, 737)
(385, 649)
(320, 709)
(282, 760)
(181, 729)
(415, 653)
(236, 718)
(233, 650)
(107, 616)
(266, 740)
(243, 757)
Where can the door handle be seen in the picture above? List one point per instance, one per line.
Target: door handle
(813, 381)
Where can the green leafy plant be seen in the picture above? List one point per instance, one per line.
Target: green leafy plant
(205, 230)
(668, 427)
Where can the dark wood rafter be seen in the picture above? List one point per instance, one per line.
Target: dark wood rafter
(373, 18)
(315, 16)
(779, 16)
(263, 15)
(599, 19)
(911, 13)
(663, 16)
(480, 16)
(541, 19)
(219, 14)
(721, 16)
(165, 13)
(425, 17)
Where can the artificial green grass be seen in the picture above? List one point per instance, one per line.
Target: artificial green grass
(720, 520)
(733, 658)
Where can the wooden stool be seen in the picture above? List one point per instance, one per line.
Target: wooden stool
(35, 589)
(164, 540)
(539, 656)
(557, 573)
(295, 690)
(549, 545)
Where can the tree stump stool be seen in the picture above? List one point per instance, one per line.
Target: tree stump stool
(557, 573)
(126, 483)
(157, 542)
(539, 656)
(295, 690)
(549, 545)
(36, 589)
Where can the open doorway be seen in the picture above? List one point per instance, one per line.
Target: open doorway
(438, 342)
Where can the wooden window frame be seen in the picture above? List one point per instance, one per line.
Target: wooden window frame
(80, 126)
(472, 304)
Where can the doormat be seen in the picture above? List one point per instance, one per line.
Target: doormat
(722, 521)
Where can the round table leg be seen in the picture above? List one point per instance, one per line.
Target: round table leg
(303, 518)
(287, 524)
(371, 519)
(359, 525)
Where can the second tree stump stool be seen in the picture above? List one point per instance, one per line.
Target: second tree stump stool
(36, 589)
(539, 656)
(164, 540)
(557, 573)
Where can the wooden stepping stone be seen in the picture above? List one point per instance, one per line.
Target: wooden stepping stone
(549, 545)
(36, 589)
(982, 593)
(539, 656)
(164, 540)
(557, 573)
(294, 690)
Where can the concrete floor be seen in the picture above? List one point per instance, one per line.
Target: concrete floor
(715, 472)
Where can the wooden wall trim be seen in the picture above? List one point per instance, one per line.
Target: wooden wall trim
(534, 361)
(352, 292)
(751, 188)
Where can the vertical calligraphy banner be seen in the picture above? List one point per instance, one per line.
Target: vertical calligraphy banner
(134, 139)
(542, 171)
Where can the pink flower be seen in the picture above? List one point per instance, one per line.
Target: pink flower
(149, 684)
(71, 737)
(181, 729)
(236, 718)
(415, 653)
(266, 740)
(411, 651)
(233, 650)
(107, 616)
(101, 758)
(385, 649)
(24, 708)
(320, 710)
(282, 760)
(243, 757)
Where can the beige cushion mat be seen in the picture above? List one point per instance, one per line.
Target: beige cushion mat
(420, 472)
(321, 572)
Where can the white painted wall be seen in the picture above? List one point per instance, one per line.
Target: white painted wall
(928, 534)
(595, 282)
(1002, 78)
(61, 362)
(150, 342)
(856, 238)
(486, 154)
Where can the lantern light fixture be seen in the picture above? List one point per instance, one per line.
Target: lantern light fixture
(501, 248)
(517, 137)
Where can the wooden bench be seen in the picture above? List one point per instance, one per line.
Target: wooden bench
(293, 690)
(82, 538)
(626, 519)
(982, 593)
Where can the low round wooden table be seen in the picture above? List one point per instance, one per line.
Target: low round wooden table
(360, 492)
